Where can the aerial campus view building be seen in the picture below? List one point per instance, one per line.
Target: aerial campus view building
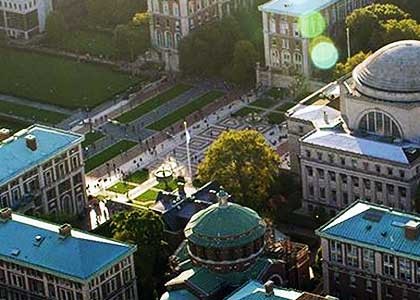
(290, 29)
(371, 251)
(359, 138)
(40, 260)
(42, 171)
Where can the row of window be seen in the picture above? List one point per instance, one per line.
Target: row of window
(174, 10)
(10, 4)
(285, 58)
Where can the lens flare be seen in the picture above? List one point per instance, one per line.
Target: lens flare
(312, 25)
(324, 54)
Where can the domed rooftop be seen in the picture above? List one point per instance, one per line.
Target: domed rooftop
(224, 225)
(392, 73)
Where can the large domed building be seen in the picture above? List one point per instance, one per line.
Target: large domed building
(227, 245)
(359, 138)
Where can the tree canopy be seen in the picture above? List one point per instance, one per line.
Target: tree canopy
(109, 13)
(374, 26)
(243, 163)
(145, 229)
(131, 39)
(342, 69)
(55, 27)
(245, 57)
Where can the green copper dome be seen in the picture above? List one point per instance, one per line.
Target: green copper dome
(224, 225)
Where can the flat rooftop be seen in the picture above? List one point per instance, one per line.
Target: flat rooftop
(374, 226)
(295, 8)
(38, 244)
(16, 158)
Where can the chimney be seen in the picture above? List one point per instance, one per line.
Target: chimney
(326, 118)
(65, 230)
(4, 134)
(222, 197)
(412, 229)
(31, 142)
(5, 214)
(269, 288)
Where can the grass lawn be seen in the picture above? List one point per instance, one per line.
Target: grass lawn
(30, 113)
(93, 42)
(276, 92)
(147, 196)
(60, 81)
(276, 117)
(265, 102)
(139, 176)
(172, 185)
(107, 154)
(185, 111)
(245, 111)
(12, 124)
(121, 187)
(153, 103)
(284, 107)
(92, 137)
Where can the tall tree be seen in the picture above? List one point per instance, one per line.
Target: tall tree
(243, 67)
(342, 69)
(243, 163)
(55, 27)
(130, 39)
(145, 229)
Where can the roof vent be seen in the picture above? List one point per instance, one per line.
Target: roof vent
(412, 229)
(38, 240)
(5, 214)
(384, 233)
(15, 252)
(368, 227)
(4, 134)
(65, 230)
(31, 142)
(269, 288)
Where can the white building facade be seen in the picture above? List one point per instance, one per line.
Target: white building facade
(43, 171)
(22, 19)
(286, 46)
(369, 147)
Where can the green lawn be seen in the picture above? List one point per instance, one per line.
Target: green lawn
(92, 42)
(12, 124)
(121, 187)
(30, 113)
(153, 103)
(185, 111)
(139, 176)
(245, 111)
(284, 107)
(107, 154)
(58, 80)
(92, 137)
(172, 185)
(276, 118)
(147, 196)
(265, 102)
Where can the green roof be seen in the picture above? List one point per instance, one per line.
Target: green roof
(224, 226)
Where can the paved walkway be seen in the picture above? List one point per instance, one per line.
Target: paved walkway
(34, 104)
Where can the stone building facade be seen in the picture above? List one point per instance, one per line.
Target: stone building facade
(286, 46)
(172, 20)
(43, 171)
(370, 148)
(100, 269)
(371, 252)
(22, 19)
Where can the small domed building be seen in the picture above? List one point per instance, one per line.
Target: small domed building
(359, 137)
(227, 245)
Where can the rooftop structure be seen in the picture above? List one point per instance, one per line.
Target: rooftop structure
(376, 249)
(296, 8)
(61, 252)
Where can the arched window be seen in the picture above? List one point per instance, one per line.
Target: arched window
(285, 57)
(165, 8)
(175, 8)
(275, 57)
(159, 38)
(272, 24)
(177, 40)
(297, 58)
(168, 39)
(379, 123)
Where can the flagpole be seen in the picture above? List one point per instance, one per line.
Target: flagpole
(187, 143)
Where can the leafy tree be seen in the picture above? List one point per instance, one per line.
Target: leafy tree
(55, 27)
(244, 58)
(410, 6)
(109, 13)
(145, 229)
(365, 25)
(243, 163)
(342, 69)
(131, 40)
(396, 30)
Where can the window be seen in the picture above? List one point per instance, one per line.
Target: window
(379, 123)
(343, 178)
(331, 158)
(345, 198)
(331, 175)
(308, 153)
(355, 181)
(388, 265)
(378, 186)
(319, 154)
(285, 44)
(321, 173)
(378, 168)
(353, 281)
(390, 189)
(389, 170)
(368, 261)
(343, 161)
(311, 190)
(402, 173)
(352, 256)
(368, 285)
(402, 191)
(310, 171)
(335, 252)
(322, 193)
(366, 183)
(405, 269)
(286, 57)
(284, 28)
(297, 58)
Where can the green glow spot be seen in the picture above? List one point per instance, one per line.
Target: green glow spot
(324, 55)
(311, 25)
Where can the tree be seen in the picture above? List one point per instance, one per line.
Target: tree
(410, 6)
(394, 30)
(243, 163)
(342, 69)
(109, 13)
(145, 229)
(365, 25)
(244, 59)
(131, 40)
(55, 27)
